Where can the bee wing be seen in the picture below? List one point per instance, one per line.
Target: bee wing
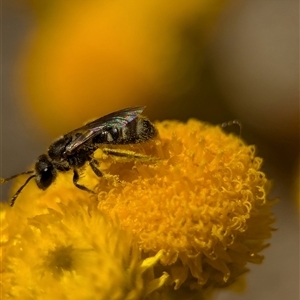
(116, 119)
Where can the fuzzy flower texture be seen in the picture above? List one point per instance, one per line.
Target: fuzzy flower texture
(180, 221)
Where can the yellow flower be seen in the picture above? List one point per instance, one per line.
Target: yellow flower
(183, 220)
(204, 203)
(75, 254)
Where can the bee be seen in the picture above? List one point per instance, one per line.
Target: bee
(74, 149)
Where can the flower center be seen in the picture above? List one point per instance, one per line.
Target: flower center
(60, 259)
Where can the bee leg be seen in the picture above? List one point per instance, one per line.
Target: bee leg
(82, 187)
(93, 163)
(128, 154)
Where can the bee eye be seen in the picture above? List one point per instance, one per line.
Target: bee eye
(45, 172)
(46, 177)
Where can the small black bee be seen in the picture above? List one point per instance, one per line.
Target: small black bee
(74, 149)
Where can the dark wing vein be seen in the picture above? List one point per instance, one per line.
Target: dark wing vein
(116, 119)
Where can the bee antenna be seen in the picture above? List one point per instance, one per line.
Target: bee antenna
(233, 122)
(4, 180)
(13, 199)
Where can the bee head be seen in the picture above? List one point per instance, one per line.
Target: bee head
(44, 175)
(45, 172)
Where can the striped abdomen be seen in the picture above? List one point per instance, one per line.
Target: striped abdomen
(137, 131)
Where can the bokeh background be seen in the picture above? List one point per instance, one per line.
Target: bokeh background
(65, 62)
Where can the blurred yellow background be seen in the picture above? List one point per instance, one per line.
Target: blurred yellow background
(67, 62)
(90, 58)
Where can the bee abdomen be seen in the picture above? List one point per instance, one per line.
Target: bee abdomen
(145, 129)
(138, 131)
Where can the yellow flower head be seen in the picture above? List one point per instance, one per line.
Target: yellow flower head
(204, 203)
(76, 254)
(184, 216)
